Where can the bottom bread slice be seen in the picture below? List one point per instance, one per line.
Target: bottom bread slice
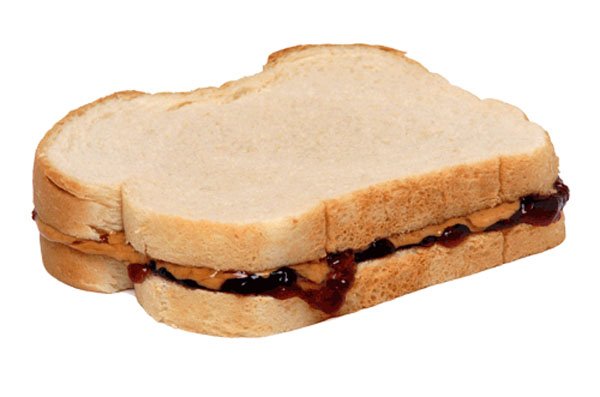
(226, 314)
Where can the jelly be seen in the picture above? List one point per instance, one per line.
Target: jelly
(537, 210)
(281, 284)
(256, 284)
(453, 235)
(377, 249)
(138, 272)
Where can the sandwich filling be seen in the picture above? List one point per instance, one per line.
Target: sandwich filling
(323, 283)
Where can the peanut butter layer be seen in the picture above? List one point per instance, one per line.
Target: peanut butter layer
(113, 245)
(476, 222)
(312, 273)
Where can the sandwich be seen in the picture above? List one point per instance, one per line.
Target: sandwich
(339, 177)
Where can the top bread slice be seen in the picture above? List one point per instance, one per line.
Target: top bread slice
(328, 148)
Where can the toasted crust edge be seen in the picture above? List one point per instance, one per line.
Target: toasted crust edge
(377, 281)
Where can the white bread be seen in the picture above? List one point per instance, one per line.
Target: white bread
(376, 281)
(330, 147)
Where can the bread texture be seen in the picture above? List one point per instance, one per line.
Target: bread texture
(378, 280)
(328, 148)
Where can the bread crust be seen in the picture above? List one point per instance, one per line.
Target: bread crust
(279, 56)
(349, 221)
(98, 273)
(379, 280)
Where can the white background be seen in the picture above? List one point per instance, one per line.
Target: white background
(526, 328)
